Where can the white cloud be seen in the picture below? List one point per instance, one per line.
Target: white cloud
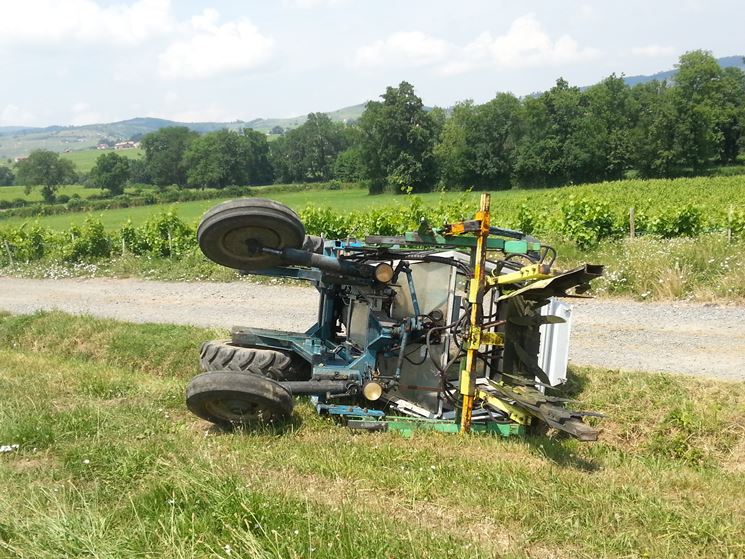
(82, 22)
(525, 44)
(210, 49)
(13, 115)
(653, 51)
(311, 4)
(83, 114)
(403, 49)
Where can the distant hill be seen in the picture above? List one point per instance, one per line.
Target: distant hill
(725, 62)
(19, 140)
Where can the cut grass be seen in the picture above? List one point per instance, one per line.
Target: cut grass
(111, 465)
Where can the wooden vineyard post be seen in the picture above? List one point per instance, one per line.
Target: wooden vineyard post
(632, 222)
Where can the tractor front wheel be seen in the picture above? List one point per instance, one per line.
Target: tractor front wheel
(231, 399)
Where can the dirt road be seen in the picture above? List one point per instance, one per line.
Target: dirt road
(618, 334)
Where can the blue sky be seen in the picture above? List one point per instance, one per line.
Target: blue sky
(85, 61)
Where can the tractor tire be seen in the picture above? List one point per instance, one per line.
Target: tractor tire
(234, 399)
(222, 355)
(230, 232)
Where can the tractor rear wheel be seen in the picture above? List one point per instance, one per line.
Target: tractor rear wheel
(222, 355)
(232, 399)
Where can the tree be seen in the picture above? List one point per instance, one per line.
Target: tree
(731, 115)
(277, 130)
(139, 172)
(654, 136)
(479, 142)
(610, 105)
(308, 153)
(164, 154)
(224, 157)
(348, 165)
(397, 142)
(46, 169)
(697, 96)
(683, 128)
(110, 172)
(558, 146)
(7, 177)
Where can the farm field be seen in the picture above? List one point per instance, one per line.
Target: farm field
(84, 160)
(341, 200)
(10, 193)
(109, 463)
(684, 251)
(714, 195)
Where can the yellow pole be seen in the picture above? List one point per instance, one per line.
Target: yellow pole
(475, 297)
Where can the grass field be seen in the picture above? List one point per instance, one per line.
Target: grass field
(16, 192)
(342, 200)
(110, 464)
(84, 160)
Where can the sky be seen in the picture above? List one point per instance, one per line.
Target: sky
(73, 62)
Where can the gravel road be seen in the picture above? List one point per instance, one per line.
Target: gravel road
(618, 334)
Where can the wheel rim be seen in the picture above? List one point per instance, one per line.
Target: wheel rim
(239, 410)
(231, 233)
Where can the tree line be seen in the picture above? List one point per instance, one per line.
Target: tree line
(562, 136)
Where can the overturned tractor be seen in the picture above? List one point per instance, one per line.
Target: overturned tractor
(456, 328)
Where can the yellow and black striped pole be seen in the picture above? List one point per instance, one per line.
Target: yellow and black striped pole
(475, 298)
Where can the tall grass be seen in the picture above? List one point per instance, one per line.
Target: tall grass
(111, 465)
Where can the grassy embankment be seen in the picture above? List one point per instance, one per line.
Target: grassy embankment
(110, 464)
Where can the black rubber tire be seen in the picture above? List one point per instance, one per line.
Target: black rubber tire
(222, 355)
(232, 399)
(226, 230)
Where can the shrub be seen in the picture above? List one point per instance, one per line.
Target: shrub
(681, 222)
(587, 221)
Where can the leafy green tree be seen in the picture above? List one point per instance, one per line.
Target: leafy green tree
(685, 127)
(397, 142)
(139, 172)
(111, 172)
(224, 157)
(558, 144)
(731, 115)
(6, 176)
(654, 135)
(479, 142)
(348, 166)
(697, 97)
(308, 153)
(164, 154)
(609, 120)
(46, 169)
